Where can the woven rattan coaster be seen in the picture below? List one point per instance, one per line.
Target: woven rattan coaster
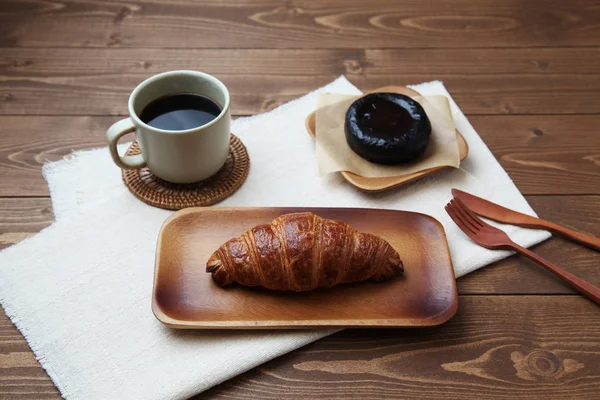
(175, 196)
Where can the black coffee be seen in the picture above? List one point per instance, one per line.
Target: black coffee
(181, 111)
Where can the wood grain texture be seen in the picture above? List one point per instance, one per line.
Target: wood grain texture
(537, 151)
(21, 218)
(300, 24)
(481, 81)
(496, 346)
(509, 276)
(518, 275)
(496, 212)
(550, 156)
(71, 62)
(493, 238)
(21, 376)
(578, 212)
(27, 143)
(498, 58)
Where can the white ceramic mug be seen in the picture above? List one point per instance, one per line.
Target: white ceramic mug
(184, 156)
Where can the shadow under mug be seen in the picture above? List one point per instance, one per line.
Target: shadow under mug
(184, 156)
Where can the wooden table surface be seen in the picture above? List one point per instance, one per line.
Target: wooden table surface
(526, 73)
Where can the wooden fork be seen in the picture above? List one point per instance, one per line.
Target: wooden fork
(493, 238)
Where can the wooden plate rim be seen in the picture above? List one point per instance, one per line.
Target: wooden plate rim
(165, 319)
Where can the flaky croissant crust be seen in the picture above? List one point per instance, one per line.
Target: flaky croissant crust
(301, 252)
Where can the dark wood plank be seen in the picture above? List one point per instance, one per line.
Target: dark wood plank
(543, 155)
(578, 212)
(517, 275)
(476, 94)
(300, 24)
(21, 218)
(21, 375)
(532, 346)
(483, 82)
(24, 62)
(496, 347)
(554, 162)
(27, 143)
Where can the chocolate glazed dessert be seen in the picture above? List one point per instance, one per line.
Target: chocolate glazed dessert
(387, 128)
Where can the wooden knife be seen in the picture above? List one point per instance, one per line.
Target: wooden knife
(498, 213)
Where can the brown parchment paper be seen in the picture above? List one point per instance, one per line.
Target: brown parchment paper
(334, 154)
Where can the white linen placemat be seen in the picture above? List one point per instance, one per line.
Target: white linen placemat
(80, 290)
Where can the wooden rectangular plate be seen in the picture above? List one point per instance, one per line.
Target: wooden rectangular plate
(185, 296)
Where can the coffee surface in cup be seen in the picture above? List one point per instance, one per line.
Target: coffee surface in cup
(180, 111)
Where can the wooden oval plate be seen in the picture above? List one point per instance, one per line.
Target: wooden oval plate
(380, 184)
(185, 296)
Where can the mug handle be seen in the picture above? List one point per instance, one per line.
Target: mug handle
(113, 134)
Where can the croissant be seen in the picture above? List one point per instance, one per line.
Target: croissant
(301, 252)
